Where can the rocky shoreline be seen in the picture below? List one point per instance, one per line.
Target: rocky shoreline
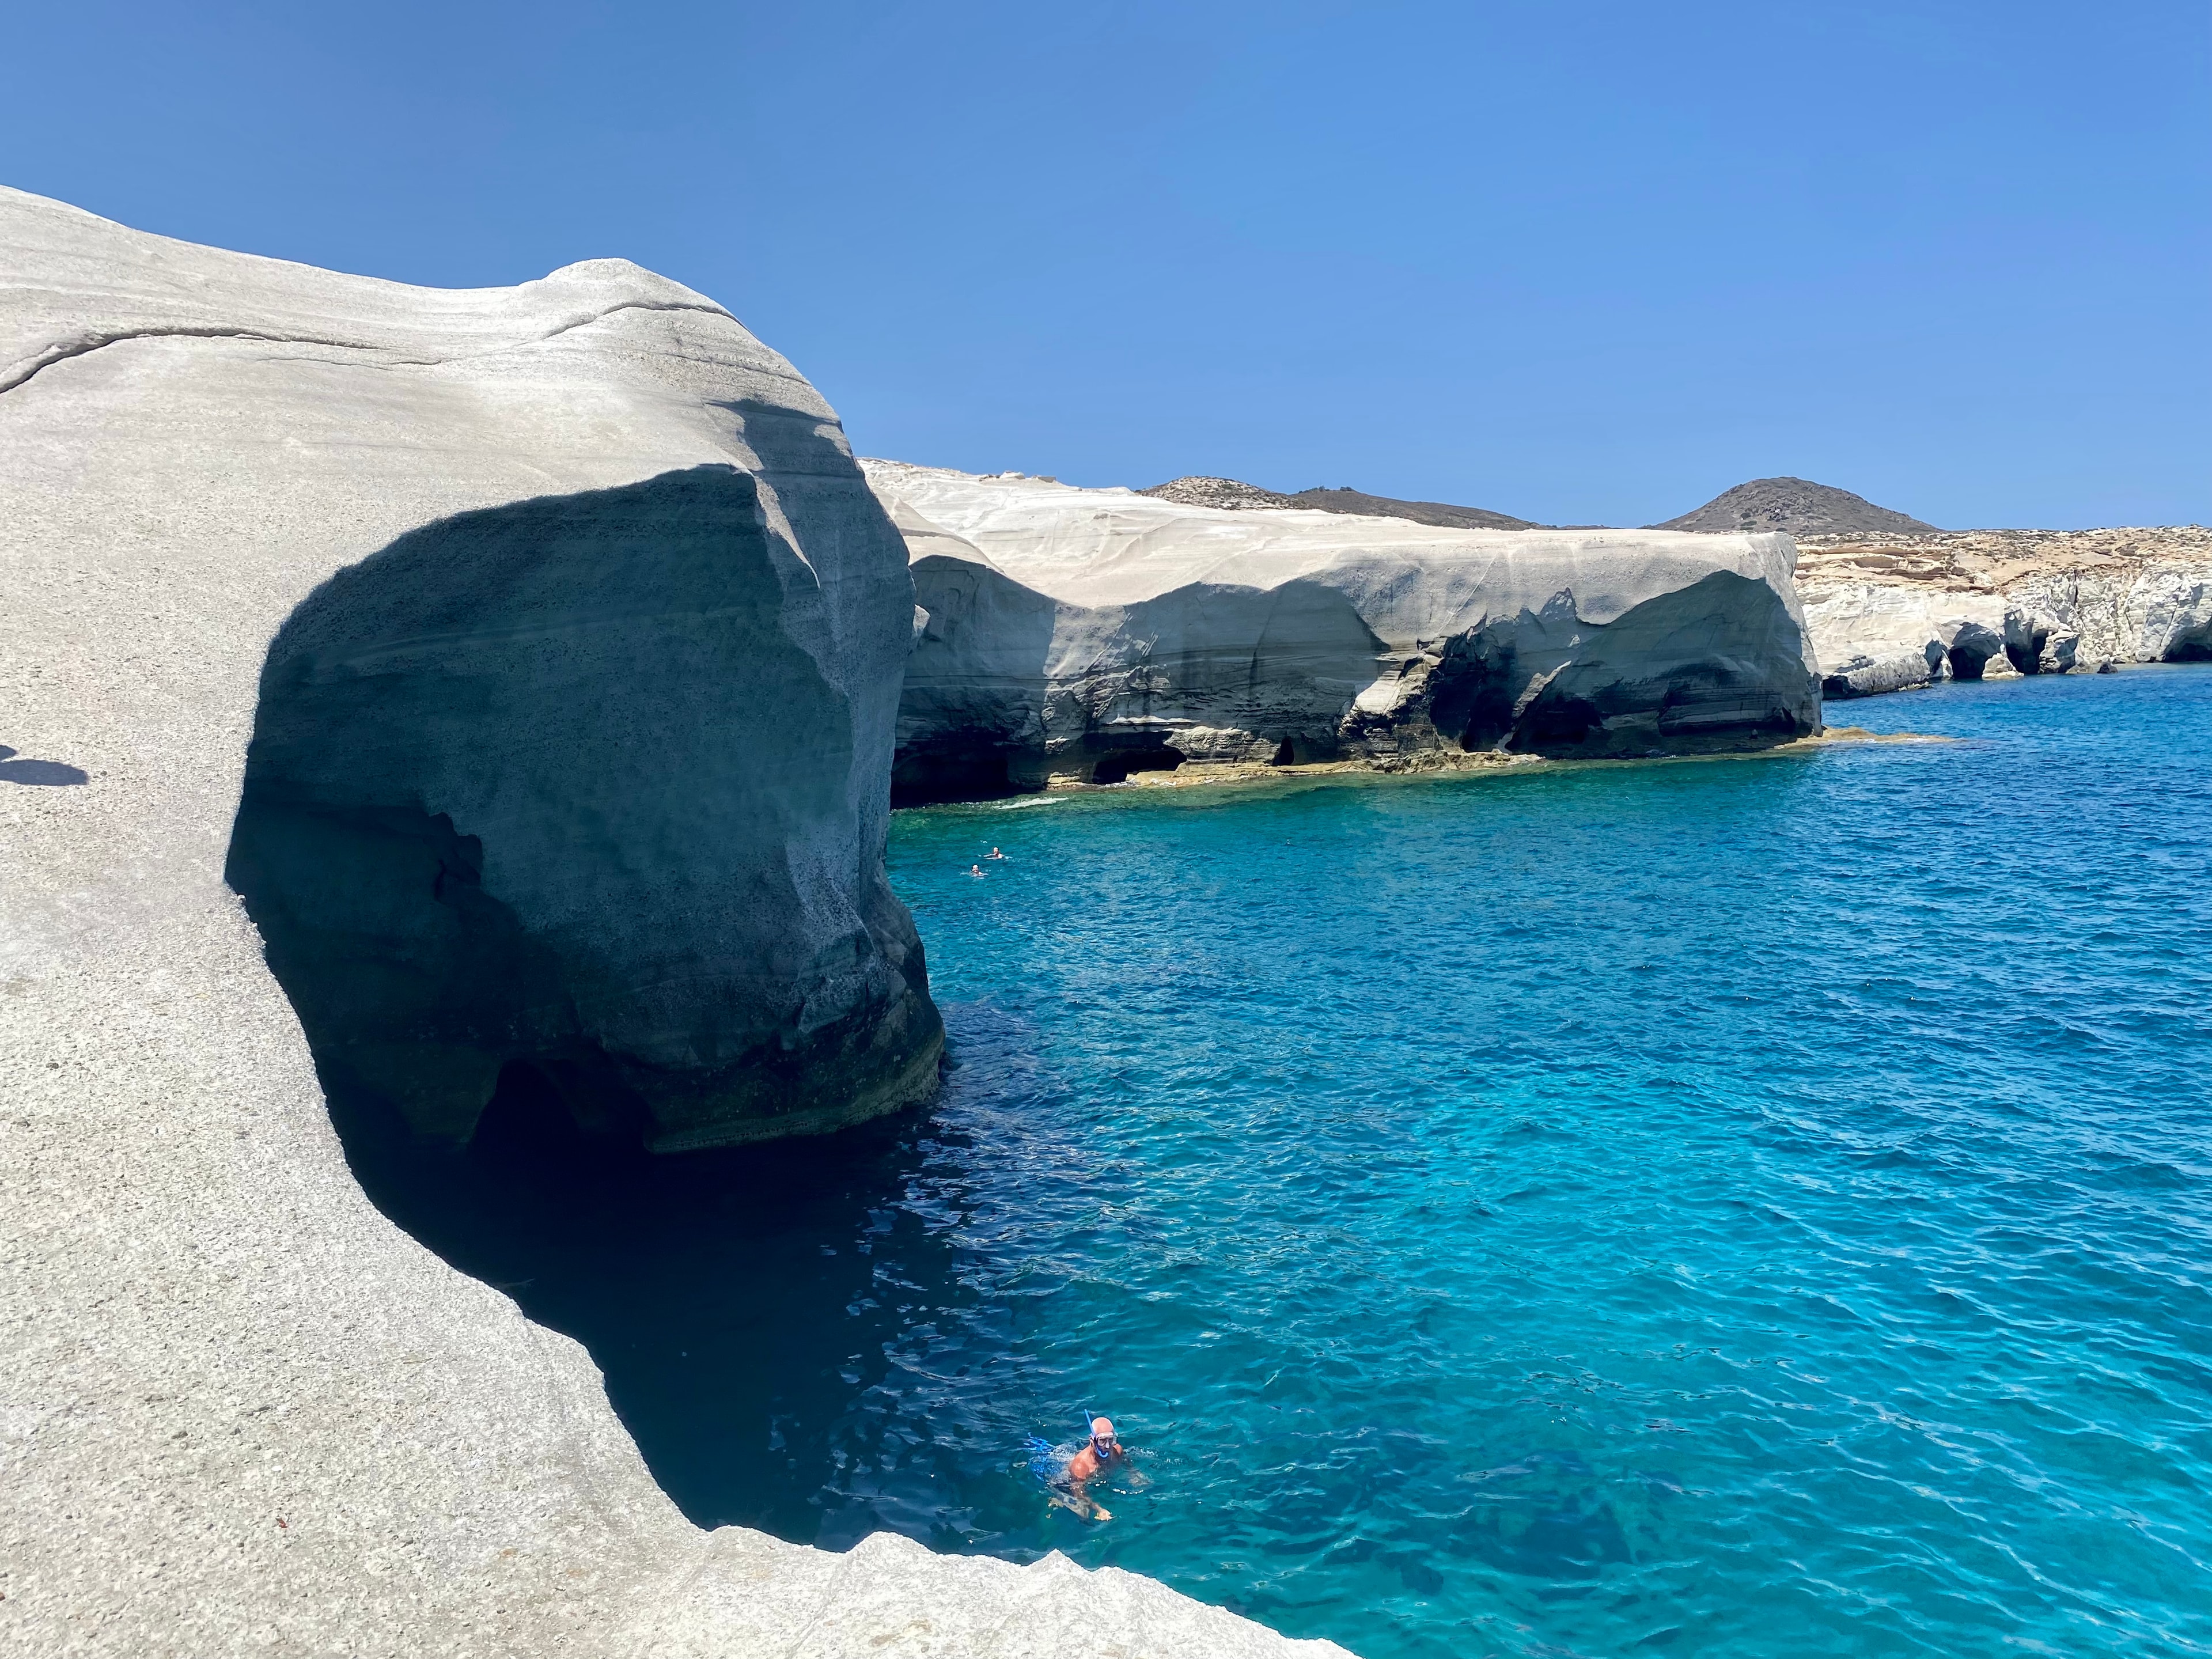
(1424, 765)
(529, 658)
(1889, 613)
(1095, 633)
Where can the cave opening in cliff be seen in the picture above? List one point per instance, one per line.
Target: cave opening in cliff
(2191, 648)
(1967, 663)
(1560, 722)
(953, 771)
(1304, 750)
(1116, 765)
(1472, 693)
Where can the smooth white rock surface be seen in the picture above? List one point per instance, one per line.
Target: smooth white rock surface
(240, 1411)
(1063, 622)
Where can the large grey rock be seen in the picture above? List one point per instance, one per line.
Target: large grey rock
(551, 556)
(239, 1411)
(1887, 613)
(1088, 633)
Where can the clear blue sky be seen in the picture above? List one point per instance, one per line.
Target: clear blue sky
(1581, 262)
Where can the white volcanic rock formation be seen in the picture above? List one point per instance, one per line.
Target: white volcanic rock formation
(1891, 612)
(1089, 633)
(518, 571)
(568, 640)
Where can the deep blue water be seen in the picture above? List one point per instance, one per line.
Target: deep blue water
(1730, 1208)
(1735, 1207)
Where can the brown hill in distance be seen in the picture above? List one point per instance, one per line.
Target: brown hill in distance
(1228, 493)
(1348, 499)
(1799, 507)
(1196, 491)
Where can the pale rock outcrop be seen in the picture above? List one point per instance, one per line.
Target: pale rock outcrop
(468, 569)
(1090, 633)
(1900, 611)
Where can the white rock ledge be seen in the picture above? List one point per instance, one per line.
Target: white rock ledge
(1085, 633)
(240, 1412)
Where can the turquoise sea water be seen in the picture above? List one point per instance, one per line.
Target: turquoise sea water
(1747, 1208)
(1742, 1207)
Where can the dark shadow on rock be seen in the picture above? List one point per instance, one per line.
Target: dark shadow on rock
(973, 706)
(738, 1302)
(38, 772)
(2195, 646)
(1717, 665)
(531, 795)
(563, 782)
(1280, 662)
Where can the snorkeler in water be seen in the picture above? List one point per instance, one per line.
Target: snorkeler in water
(1102, 1451)
(975, 870)
(994, 854)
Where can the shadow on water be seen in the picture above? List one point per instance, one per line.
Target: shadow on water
(739, 1302)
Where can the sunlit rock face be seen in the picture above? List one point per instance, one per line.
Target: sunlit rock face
(569, 638)
(1090, 633)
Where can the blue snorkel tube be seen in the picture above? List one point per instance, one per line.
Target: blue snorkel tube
(1045, 1460)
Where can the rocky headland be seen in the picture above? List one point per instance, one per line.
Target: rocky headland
(1089, 633)
(1894, 602)
(528, 659)
(1891, 612)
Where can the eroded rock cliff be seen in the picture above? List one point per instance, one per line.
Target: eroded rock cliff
(569, 752)
(469, 570)
(1891, 612)
(1090, 633)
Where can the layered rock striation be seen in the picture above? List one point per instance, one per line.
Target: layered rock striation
(1088, 634)
(1891, 612)
(567, 641)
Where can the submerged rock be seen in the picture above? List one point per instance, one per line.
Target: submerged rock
(1090, 634)
(506, 543)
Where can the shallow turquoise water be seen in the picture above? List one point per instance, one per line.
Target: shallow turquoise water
(1753, 1207)
(1747, 1208)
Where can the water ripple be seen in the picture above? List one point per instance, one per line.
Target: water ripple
(1732, 1209)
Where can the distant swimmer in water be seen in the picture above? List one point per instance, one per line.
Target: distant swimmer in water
(975, 870)
(994, 854)
(1102, 1451)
